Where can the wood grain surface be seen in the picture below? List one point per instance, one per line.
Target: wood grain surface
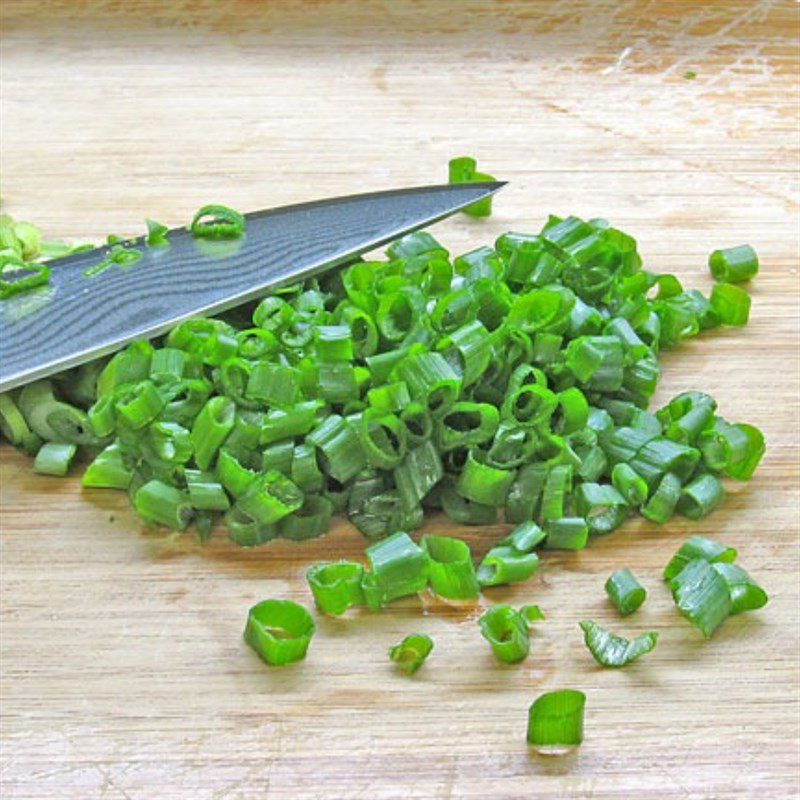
(123, 670)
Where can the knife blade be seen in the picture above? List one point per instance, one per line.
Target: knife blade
(77, 318)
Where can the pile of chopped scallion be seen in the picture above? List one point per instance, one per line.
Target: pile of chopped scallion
(509, 383)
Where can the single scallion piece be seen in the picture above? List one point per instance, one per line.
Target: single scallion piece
(280, 631)
(450, 571)
(336, 587)
(411, 653)
(698, 547)
(610, 650)
(398, 567)
(217, 222)
(555, 721)
(701, 595)
(625, 592)
(506, 630)
(734, 264)
(54, 458)
(745, 593)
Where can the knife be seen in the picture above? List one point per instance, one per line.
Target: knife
(75, 318)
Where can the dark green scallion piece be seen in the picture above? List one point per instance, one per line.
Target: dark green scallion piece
(625, 592)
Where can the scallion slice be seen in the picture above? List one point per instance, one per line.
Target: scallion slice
(745, 593)
(701, 595)
(336, 587)
(450, 570)
(610, 650)
(555, 721)
(625, 592)
(280, 631)
(506, 630)
(412, 652)
(698, 547)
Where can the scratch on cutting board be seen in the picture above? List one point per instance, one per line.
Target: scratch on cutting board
(617, 65)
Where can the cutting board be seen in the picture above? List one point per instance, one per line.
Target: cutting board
(124, 674)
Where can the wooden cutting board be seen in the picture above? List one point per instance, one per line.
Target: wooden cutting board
(123, 670)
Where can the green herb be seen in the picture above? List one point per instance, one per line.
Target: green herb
(698, 547)
(54, 459)
(464, 170)
(510, 382)
(610, 650)
(506, 630)
(625, 592)
(411, 653)
(450, 570)
(745, 593)
(156, 234)
(701, 595)
(217, 222)
(279, 631)
(336, 587)
(555, 720)
(734, 264)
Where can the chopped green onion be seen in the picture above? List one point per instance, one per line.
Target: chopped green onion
(336, 587)
(217, 222)
(702, 548)
(662, 503)
(464, 170)
(205, 493)
(567, 533)
(310, 521)
(339, 447)
(54, 458)
(506, 630)
(108, 470)
(730, 303)
(156, 234)
(411, 653)
(625, 592)
(162, 504)
(511, 382)
(450, 570)
(701, 595)
(12, 423)
(210, 429)
(610, 650)
(280, 631)
(700, 497)
(555, 720)
(745, 593)
(629, 484)
(420, 471)
(269, 498)
(483, 484)
(603, 507)
(734, 264)
(531, 613)
(398, 568)
(16, 277)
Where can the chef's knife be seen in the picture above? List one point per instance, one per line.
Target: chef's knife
(77, 318)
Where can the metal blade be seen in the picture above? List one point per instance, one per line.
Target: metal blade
(77, 318)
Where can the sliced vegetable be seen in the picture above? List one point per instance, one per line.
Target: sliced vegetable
(555, 720)
(411, 653)
(280, 631)
(336, 587)
(701, 595)
(698, 547)
(450, 570)
(610, 650)
(506, 630)
(625, 592)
